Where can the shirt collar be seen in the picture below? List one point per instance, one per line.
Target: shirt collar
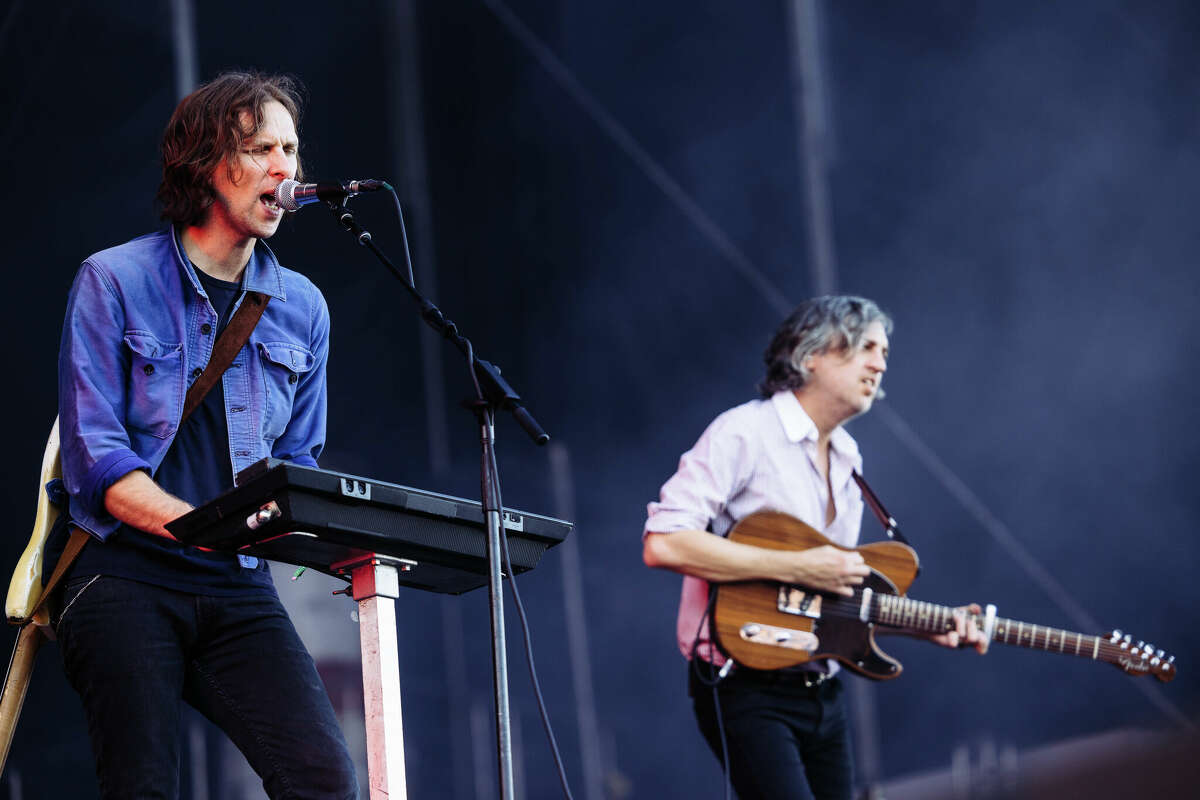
(262, 274)
(798, 427)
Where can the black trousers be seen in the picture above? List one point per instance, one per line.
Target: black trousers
(136, 653)
(785, 740)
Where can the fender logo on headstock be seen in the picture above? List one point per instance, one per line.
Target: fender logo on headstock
(1133, 665)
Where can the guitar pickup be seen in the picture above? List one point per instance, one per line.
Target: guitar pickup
(797, 602)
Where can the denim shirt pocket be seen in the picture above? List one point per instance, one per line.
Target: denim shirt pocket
(283, 364)
(156, 385)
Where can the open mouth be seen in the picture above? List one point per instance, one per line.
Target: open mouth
(268, 200)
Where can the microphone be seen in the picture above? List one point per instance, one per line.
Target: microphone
(290, 194)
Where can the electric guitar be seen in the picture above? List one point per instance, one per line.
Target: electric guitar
(768, 625)
(24, 591)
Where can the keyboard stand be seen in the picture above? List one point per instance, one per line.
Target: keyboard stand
(375, 586)
(379, 536)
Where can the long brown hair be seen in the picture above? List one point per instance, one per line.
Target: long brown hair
(206, 131)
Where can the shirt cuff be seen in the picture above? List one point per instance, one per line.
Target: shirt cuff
(671, 521)
(304, 460)
(89, 511)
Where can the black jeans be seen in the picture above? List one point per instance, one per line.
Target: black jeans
(785, 740)
(134, 652)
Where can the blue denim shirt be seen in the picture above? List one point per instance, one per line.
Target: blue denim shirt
(140, 328)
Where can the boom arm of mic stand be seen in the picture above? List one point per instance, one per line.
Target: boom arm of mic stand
(496, 390)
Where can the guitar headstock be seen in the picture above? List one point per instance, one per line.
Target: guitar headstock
(1140, 658)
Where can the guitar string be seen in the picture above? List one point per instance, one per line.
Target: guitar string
(1041, 637)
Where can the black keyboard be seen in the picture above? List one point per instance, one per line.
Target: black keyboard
(321, 519)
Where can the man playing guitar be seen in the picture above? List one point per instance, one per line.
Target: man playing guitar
(786, 730)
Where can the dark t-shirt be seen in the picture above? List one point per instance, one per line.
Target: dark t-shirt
(196, 469)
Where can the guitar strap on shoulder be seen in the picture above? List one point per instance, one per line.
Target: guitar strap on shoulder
(227, 346)
(890, 526)
(236, 334)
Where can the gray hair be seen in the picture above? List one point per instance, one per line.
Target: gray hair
(833, 323)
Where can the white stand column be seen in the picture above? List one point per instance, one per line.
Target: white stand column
(375, 586)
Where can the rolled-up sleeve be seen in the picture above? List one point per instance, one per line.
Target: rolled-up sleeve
(92, 368)
(304, 437)
(714, 470)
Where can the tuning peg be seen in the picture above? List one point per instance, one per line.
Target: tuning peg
(1149, 648)
(1171, 660)
(1155, 661)
(1160, 653)
(1116, 634)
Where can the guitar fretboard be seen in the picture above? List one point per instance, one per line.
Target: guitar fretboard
(1026, 634)
(902, 612)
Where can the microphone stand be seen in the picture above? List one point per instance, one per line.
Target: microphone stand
(492, 393)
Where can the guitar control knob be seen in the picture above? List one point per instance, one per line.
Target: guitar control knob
(751, 630)
(782, 636)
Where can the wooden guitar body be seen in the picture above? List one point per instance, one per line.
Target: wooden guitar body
(770, 625)
(774, 606)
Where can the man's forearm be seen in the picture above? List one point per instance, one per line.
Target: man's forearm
(138, 501)
(715, 558)
(699, 553)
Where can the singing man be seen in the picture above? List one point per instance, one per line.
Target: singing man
(146, 623)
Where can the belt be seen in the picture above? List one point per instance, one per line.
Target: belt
(810, 678)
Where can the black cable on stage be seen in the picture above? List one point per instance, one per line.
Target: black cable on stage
(713, 680)
(512, 582)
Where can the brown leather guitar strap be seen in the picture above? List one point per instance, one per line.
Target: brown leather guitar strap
(236, 333)
(228, 344)
(890, 526)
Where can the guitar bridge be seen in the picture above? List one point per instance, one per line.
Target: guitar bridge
(797, 602)
(775, 636)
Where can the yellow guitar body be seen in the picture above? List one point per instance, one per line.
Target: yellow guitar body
(24, 591)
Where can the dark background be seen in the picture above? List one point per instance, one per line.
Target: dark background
(1014, 182)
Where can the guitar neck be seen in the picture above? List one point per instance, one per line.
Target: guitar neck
(918, 615)
(1040, 637)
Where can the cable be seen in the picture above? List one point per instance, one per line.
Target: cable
(712, 681)
(404, 238)
(512, 583)
(724, 743)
